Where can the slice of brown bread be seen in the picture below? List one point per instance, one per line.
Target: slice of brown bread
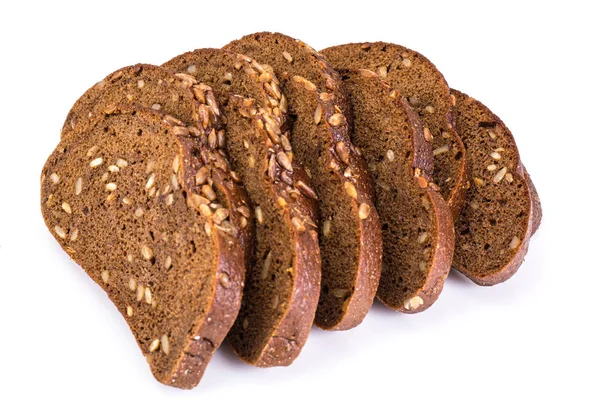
(503, 208)
(418, 235)
(281, 292)
(350, 238)
(184, 99)
(122, 202)
(141, 84)
(417, 79)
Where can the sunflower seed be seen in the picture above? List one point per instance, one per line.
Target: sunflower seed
(147, 252)
(298, 224)
(306, 190)
(364, 210)
(66, 207)
(139, 294)
(259, 215)
(164, 343)
(154, 345)
(427, 134)
(326, 227)
(350, 190)
(96, 162)
(335, 119)
(318, 114)
(413, 303)
(342, 152)
(514, 243)
(60, 232)
(284, 161)
(266, 265)
(499, 175)
(441, 150)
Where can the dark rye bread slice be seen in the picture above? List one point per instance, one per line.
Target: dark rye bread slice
(350, 238)
(122, 202)
(418, 235)
(417, 79)
(186, 101)
(142, 85)
(282, 287)
(503, 208)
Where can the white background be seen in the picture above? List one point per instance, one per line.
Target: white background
(534, 336)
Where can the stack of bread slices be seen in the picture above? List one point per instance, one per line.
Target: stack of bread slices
(251, 191)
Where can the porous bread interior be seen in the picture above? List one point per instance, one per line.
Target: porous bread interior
(494, 213)
(142, 85)
(258, 318)
(111, 234)
(340, 249)
(380, 126)
(417, 79)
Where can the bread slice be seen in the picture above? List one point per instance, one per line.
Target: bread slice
(121, 200)
(185, 101)
(417, 79)
(142, 85)
(418, 235)
(350, 238)
(503, 208)
(281, 293)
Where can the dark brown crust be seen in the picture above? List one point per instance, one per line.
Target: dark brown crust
(368, 268)
(328, 92)
(443, 252)
(330, 80)
(443, 245)
(291, 331)
(126, 80)
(211, 331)
(535, 212)
(536, 204)
(444, 219)
(457, 194)
(213, 325)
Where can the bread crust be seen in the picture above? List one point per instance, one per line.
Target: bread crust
(289, 332)
(326, 91)
(534, 206)
(421, 162)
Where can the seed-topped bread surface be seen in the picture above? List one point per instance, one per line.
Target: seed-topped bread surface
(119, 199)
(503, 208)
(418, 236)
(192, 105)
(142, 85)
(350, 239)
(417, 79)
(282, 286)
